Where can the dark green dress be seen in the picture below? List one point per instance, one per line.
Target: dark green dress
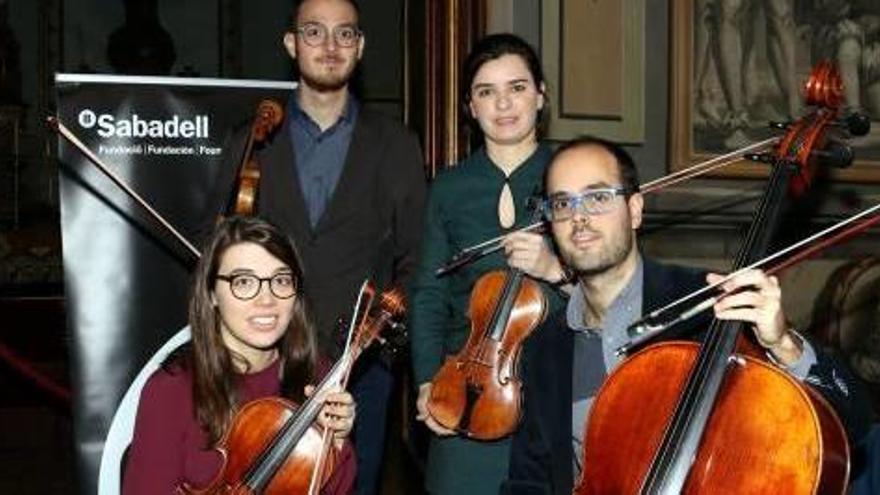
(462, 211)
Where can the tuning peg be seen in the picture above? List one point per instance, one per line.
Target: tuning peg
(782, 126)
(857, 124)
(759, 157)
(394, 343)
(771, 159)
(835, 154)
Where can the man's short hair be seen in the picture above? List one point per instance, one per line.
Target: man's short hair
(294, 14)
(626, 167)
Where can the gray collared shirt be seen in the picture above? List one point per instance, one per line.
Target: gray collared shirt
(320, 156)
(594, 351)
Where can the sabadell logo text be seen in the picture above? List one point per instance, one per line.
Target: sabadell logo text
(175, 127)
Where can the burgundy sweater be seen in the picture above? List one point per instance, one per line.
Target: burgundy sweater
(167, 447)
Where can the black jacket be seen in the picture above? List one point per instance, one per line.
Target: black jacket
(541, 451)
(370, 228)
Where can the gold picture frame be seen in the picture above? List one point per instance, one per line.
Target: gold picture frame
(697, 95)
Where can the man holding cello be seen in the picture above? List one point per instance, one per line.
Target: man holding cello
(594, 208)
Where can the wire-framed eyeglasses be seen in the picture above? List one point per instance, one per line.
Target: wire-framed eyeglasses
(591, 202)
(315, 34)
(246, 286)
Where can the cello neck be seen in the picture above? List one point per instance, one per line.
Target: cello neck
(681, 442)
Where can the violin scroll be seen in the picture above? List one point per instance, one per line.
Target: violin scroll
(389, 312)
(269, 116)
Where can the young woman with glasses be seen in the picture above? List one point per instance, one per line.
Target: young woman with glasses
(484, 196)
(251, 338)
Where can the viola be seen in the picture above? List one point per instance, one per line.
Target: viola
(274, 446)
(477, 392)
(268, 116)
(712, 417)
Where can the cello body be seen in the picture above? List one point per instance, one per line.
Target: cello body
(712, 418)
(788, 442)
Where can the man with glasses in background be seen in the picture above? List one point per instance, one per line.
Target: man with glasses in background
(348, 185)
(594, 208)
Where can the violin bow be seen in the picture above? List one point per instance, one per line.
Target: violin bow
(650, 326)
(366, 296)
(472, 253)
(71, 138)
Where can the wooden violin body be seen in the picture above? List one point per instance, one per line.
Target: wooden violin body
(256, 426)
(766, 434)
(477, 391)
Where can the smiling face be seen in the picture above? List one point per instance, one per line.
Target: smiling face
(251, 328)
(505, 101)
(592, 244)
(329, 66)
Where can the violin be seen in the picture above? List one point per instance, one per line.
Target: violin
(711, 418)
(477, 392)
(268, 116)
(274, 446)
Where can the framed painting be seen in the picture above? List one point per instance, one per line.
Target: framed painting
(736, 66)
(577, 39)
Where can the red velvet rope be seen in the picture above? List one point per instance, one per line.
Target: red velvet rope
(30, 372)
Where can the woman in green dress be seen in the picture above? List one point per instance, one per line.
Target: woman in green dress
(483, 196)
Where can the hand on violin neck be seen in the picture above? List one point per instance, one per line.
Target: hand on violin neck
(530, 253)
(756, 298)
(423, 414)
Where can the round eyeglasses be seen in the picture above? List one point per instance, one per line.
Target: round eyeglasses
(315, 34)
(592, 202)
(245, 286)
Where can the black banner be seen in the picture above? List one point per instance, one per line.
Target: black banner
(126, 278)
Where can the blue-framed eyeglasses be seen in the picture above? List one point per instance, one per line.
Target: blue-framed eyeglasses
(591, 202)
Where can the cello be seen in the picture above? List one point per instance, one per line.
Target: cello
(273, 446)
(721, 420)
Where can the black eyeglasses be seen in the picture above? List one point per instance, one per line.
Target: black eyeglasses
(245, 286)
(315, 34)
